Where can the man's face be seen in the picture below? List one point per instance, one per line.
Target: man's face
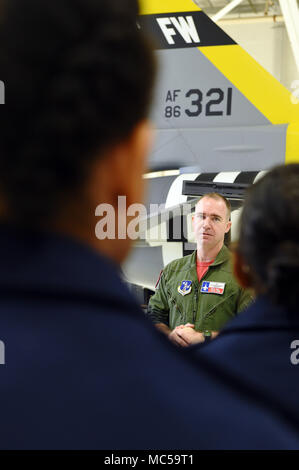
(210, 222)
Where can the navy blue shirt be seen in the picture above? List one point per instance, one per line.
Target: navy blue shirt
(253, 353)
(84, 369)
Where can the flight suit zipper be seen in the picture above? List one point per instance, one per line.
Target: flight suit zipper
(201, 281)
(172, 300)
(195, 304)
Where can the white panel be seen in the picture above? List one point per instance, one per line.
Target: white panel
(175, 196)
(259, 176)
(226, 177)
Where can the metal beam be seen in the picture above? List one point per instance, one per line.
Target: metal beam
(291, 17)
(221, 13)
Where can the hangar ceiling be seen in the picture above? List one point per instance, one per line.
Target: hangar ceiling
(287, 10)
(253, 8)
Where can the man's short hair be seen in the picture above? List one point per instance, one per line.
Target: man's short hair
(78, 77)
(218, 196)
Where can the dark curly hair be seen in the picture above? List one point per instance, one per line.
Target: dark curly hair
(269, 241)
(78, 77)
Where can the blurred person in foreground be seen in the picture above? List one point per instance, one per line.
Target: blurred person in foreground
(259, 350)
(83, 368)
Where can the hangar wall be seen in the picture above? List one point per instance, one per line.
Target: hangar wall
(268, 43)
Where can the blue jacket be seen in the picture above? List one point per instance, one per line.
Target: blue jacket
(254, 352)
(84, 369)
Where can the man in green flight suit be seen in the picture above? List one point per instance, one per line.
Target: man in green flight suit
(197, 294)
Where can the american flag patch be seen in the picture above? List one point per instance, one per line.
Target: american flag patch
(212, 287)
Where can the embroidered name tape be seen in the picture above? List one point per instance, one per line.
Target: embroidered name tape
(185, 287)
(212, 287)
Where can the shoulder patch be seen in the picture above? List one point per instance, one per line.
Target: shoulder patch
(185, 287)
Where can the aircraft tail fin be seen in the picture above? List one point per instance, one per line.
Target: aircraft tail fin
(208, 82)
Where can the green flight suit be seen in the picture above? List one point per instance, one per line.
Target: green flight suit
(207, 311)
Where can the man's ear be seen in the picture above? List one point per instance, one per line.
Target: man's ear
(192, 221)
(241, 270)
(130, 163)
(118, 171)
(228, 227)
